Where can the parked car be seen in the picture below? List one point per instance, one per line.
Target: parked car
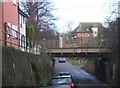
(64, 74)
(62, 81)
(63, 60)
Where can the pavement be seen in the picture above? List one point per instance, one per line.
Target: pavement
(81, 78)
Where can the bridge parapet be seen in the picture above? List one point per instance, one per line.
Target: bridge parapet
(84, 50)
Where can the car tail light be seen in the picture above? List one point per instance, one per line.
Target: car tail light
(72, 85)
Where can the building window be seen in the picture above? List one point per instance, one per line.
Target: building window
(8, 29)
(20, 21)
(71, 45)
(95, 31)
(14, 2)
(14, 31)
(23, 19)
(67, 38)
(75, 37)
(22, 41)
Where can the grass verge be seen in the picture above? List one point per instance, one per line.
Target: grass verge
(77, 62)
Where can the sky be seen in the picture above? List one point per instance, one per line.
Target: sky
(77, 11)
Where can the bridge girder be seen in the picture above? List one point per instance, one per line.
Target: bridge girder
(78, 55)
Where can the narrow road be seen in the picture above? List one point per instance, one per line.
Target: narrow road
(81, 77)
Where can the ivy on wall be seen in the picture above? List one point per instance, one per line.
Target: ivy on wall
(30, 35)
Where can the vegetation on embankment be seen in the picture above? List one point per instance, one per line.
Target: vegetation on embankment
(89, 67)
(86, 64)
(77, 62)
(105, 68)
(25, 69)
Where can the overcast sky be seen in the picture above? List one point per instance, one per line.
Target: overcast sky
(78, 11)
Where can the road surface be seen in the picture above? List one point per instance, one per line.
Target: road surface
(81, 77)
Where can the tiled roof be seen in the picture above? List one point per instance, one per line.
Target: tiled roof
(85, 27)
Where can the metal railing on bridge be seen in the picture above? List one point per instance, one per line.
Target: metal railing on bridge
(80, 50)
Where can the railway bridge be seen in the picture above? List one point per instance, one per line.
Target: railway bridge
(79, 51)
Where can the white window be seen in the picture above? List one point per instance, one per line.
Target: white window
(8, 29)
(14, 2)
(24, 20)
(20, 21)
(71, 45)
(14, 31)
(72, 38)
(22, 41)
(95, 31)
(67, 38)
(75, 37)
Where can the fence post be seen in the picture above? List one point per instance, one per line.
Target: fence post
(18, 34)
(10, 36)
(5, 34)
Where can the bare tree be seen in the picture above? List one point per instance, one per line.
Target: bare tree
(69, 26)
(39, 15)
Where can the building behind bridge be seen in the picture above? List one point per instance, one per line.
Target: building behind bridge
(87, 34)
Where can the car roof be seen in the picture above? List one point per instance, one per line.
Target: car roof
(64, 73)
(62, 58)
(55, 77)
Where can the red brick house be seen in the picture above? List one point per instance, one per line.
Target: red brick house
(10, 18)
(0, 19)
(15, 19)
(82, 36)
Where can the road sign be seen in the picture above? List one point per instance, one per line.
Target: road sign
(78, 50)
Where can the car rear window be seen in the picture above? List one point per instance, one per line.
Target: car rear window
(63, 74)
(61, 81)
